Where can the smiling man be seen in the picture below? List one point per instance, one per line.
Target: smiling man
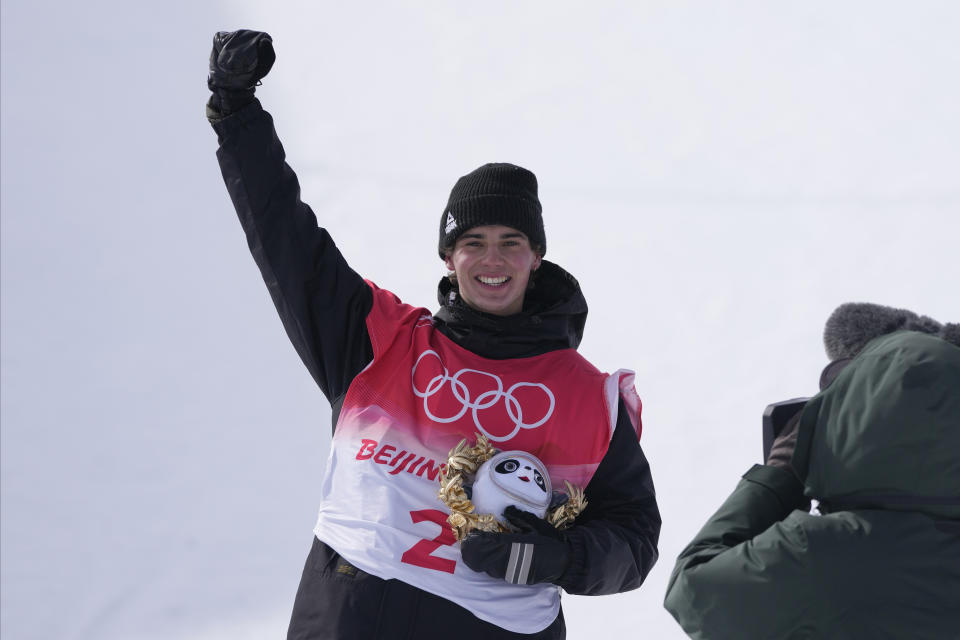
(496, 264)
(498, 358)
(492, 237)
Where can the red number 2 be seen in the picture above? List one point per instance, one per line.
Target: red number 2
(419, 554)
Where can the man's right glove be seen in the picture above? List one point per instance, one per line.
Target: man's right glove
(538, 553)
(238, 61)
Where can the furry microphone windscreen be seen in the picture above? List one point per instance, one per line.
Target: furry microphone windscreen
(854, 324)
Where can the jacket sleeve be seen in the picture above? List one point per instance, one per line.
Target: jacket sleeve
(322, 302)
(747, 572)
(614, 541)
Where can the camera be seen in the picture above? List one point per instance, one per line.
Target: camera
(775, 418)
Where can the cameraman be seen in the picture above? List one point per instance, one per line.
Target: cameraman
(879, 448)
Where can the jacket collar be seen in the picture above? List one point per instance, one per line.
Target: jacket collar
(553, 317)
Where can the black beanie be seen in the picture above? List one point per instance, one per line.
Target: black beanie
(496, 193)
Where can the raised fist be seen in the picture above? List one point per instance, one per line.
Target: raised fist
(239, 60)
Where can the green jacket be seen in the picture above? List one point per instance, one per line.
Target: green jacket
(880, 450)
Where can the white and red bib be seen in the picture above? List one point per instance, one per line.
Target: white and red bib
(414, 402)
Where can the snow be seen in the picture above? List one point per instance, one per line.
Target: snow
(719, 176)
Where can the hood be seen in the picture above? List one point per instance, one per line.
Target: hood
(886, 432)
(553, 317)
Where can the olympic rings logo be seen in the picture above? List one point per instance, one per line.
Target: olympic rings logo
(485, 400)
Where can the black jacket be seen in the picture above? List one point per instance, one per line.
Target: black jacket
(323, 304)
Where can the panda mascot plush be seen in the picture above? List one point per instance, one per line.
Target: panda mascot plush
(479, 482)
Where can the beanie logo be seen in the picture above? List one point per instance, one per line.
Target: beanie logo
(451, 223)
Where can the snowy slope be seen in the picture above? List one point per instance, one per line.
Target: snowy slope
(719, 176)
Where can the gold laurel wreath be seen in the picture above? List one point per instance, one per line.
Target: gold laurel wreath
(462, 465)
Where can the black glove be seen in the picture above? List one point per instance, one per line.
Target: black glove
(238, 61)
(538, 553)
(784, 446)
(781, 453)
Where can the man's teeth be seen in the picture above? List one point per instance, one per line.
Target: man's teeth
(486, 280)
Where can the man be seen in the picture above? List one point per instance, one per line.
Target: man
(879, 448)
(499, 357)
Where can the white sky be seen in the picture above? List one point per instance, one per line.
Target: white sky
(719, 176)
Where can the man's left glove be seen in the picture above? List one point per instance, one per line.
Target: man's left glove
(538, 553)
(781, 453)
(238, 61)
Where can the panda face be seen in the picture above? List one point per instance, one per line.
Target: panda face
(513, 478)
(521, 472)
(520, 475)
